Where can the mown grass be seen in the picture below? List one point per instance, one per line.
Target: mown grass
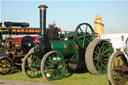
(74, 79)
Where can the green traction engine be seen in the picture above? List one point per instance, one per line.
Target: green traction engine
(55, 52)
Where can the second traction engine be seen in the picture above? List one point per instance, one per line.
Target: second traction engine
(15, 42)
(17, 47)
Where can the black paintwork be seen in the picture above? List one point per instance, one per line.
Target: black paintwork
(10, 24)
(25, 43)
(52, 33)
(0, 24)
(43, 23)
(42, 48)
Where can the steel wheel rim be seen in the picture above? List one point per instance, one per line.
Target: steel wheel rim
(81, 38)
(5, 66)
(32, 67)
(101, 56)
(54, 66)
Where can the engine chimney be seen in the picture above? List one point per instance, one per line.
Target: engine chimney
(43, 9)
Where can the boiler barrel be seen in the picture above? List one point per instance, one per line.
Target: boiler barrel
(67, 48)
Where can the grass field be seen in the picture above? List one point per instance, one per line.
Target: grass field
(74, 79)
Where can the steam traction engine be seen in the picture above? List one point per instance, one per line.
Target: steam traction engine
(56, 52)
(118, 67)
(14, 44)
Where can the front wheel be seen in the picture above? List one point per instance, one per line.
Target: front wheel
(118, 69)
(31, 65)
(53, 65)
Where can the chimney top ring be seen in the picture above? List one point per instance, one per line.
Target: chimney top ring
(43, 7)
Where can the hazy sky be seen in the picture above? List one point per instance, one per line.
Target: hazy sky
(68, 14)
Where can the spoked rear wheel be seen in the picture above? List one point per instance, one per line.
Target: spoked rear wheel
(31, 65)
(97, 56)
(6, 65)
(53, 66)
(117, 69)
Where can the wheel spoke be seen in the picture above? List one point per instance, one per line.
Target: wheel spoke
(107, 50)
(97, 64)
(50, 59)
(98, 49)
(88, 40)
(102, 47)
(56, 74)
(104, 66)
(58, 59)
(118, 61)
(81, 30)
(83, 42)
(86, 29)
(83, 45)
(99, 69)
(48, 67)
(106, 60)
(52, 73)
(96, 53)
(96, 58)
(47, 63)
(80, 37)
